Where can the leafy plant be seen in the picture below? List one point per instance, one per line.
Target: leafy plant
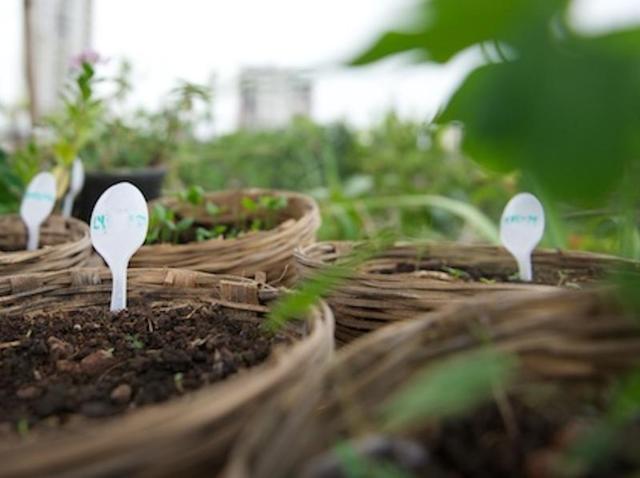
(449, 388)
(405, 163)
(167, 225)
(65, 133)
(76, 124)
(135, 342)
(148, 138)
(470, 214)
(16, 170)
(533, 110)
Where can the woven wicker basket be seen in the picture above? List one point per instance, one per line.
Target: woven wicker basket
(189, 436)
(377, 294)
(564, 338)
(64, 243)
(269, 252)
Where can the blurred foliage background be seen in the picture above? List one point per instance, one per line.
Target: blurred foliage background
(400, 160)
(556, 104)
(552, 110)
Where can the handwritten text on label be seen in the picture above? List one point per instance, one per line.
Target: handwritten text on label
(521, 219)
(39, 196)
(100, 221)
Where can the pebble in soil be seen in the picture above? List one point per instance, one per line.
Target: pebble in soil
(57, 366)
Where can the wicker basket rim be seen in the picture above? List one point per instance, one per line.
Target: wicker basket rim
(310, 255)
(76, 226)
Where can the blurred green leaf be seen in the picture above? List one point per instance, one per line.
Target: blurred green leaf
(449, 388)
(627, 282)
(194, 195)
(296, 305)
(553, 128)
(472, 215)
(606, 437)
(443, 28)
(212, 209)
(625, 405)
(249, 204)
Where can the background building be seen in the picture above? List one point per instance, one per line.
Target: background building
(55, 31)
(271, 97)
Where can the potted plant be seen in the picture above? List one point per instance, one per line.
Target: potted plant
(140, 147)
(77, 123)
(58, 140)
(184, 367)
(538, 385)
(409, 279)
(243, 232)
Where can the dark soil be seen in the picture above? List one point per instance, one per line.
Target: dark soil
(522, 441)
(529, 442)
(13, 248)
(467, 274)
(55, 367)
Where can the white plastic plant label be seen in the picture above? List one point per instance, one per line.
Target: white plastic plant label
(119, 224)
(75, 186)
(521, 229)
(37, 204)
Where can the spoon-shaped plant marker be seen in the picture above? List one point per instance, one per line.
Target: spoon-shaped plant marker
(521, 228)
(119, 224)
(75, 186)
(37, 204)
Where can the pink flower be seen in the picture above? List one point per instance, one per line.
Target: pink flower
(89, 56)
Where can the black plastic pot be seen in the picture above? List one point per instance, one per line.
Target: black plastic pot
(149, 181)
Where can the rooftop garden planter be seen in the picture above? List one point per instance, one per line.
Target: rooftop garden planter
(243, 232)
(409, 279)
(64, 244)
(566, 348)
(164, 387)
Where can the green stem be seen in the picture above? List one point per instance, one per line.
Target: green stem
(472, 215)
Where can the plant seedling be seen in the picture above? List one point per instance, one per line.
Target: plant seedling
(521, 228)
(37, 204)
(169, 225)
(119, 224)
(75, 186)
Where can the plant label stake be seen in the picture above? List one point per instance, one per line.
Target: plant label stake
(119, 224)
(37, 204)
(521, 228)
(75, 186)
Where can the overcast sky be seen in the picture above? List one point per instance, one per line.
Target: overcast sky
(192, 39)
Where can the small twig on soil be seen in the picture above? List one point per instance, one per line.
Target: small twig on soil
(199, 341)
(195, 309)
(7, 345)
